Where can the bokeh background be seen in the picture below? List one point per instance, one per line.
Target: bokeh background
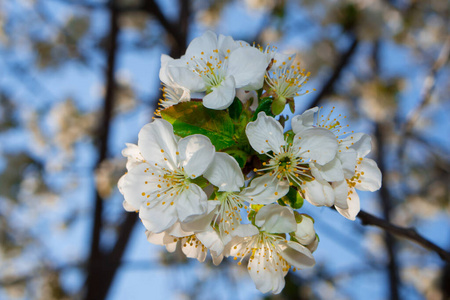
(79, 78)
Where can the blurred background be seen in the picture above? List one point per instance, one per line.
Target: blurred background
(78, 79)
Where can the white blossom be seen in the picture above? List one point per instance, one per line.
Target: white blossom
(349, 169)
(289, 161)
(219, 65)
(173, 93)
(162, 188)
(225, 173)
(270, 254)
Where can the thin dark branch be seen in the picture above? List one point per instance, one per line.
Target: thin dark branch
(177, 35)
(406, 129)
(149, 6)
(428, 87)
(343, 62)
(386, 204)
(105, 267)
(94, 267)
(408, 233)
(112, 261)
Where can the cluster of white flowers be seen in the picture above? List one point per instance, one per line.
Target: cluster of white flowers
(185, 191)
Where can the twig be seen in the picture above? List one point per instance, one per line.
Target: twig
(428, 87)
(328, 87)
(408, 233)
(94, 279)
(386, 204)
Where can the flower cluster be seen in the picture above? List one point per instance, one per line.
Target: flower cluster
(221, 174)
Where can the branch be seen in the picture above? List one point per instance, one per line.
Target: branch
(105, 267)
(149, 6)
(408, 233)
(111, 262)
(152, 8)
(328, 87)
(428, 87)
(94, 267)
(386, 204)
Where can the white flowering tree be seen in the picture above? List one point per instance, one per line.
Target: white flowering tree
(238, 141)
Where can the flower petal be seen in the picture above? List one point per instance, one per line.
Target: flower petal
(360, 142)
(275, 218)
(183, 76)
(303, 121)
(248, 66)
(305, 233)
(164, 75)
(317, 144)
(202, 222)
(221, 96)
(340, 194)
(193, 249)
(196, 153)
(159, 217)
(225, 173)
(319, 193)
(370, 175)
(348, 161)
(297, 255)
(265, 189)
(211, 240)
(265, 134)
(139, 185)
(155, 238)
(226, 45)
(264, 275)
(353, 206)
(157, 143)
(191, 202)
(176, 230)
(205, 43)
(217, 259)
(331, 171)
(133, 154)
(245, 230)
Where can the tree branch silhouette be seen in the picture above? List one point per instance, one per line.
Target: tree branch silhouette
(94, 282)
(342, 64)
(407, 233)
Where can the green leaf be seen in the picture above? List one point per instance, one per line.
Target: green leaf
(191, 117)
(293, 198)
(235, 109)
(265, 105)
(200, 181)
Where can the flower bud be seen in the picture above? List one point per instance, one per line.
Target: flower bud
(305, 233)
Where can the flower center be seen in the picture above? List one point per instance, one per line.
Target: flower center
(211, 68)
(228, 217)
(286, 165)
(173, 182)
(286, 81)
(264, 249)
(332, 124)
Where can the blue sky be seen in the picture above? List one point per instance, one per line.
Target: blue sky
(342, 246)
